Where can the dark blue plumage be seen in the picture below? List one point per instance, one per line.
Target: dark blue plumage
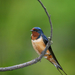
(39, 41)
(45, 39)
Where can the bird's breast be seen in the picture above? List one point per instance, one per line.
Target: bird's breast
(38, 45)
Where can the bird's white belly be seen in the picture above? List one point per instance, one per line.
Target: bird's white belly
(38, 45)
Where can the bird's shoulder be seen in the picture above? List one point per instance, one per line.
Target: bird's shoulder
(45, 39)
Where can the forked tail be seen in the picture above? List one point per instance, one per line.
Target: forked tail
(55, 63)
(51, 57)
(59, 68)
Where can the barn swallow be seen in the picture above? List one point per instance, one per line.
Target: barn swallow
(39, 41)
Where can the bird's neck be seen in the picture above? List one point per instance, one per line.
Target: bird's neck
(35, 35)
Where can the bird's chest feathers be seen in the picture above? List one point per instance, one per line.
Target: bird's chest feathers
(38, 45)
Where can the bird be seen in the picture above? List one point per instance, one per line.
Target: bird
(39, 42)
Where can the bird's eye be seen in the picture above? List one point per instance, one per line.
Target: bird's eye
(35, 30)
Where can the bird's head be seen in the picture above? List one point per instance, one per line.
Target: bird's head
(36, 33)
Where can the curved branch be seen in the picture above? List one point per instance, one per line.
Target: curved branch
(36, 59)
(27, 63)
(49, 16)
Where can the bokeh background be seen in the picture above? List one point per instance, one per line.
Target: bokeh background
(18, 17)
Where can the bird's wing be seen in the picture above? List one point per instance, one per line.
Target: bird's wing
(50, 49)
(45, 39)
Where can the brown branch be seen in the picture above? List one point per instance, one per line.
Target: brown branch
(36, 59)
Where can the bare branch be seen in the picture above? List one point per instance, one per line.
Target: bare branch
(27, 63)
(49, 16)
(36, 59)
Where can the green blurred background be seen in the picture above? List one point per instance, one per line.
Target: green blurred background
(18, 17)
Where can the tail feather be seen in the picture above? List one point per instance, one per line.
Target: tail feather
(59, 71)
(59, 67)
(54, 61)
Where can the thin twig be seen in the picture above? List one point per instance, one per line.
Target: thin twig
(36, 59)
(49, 16)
